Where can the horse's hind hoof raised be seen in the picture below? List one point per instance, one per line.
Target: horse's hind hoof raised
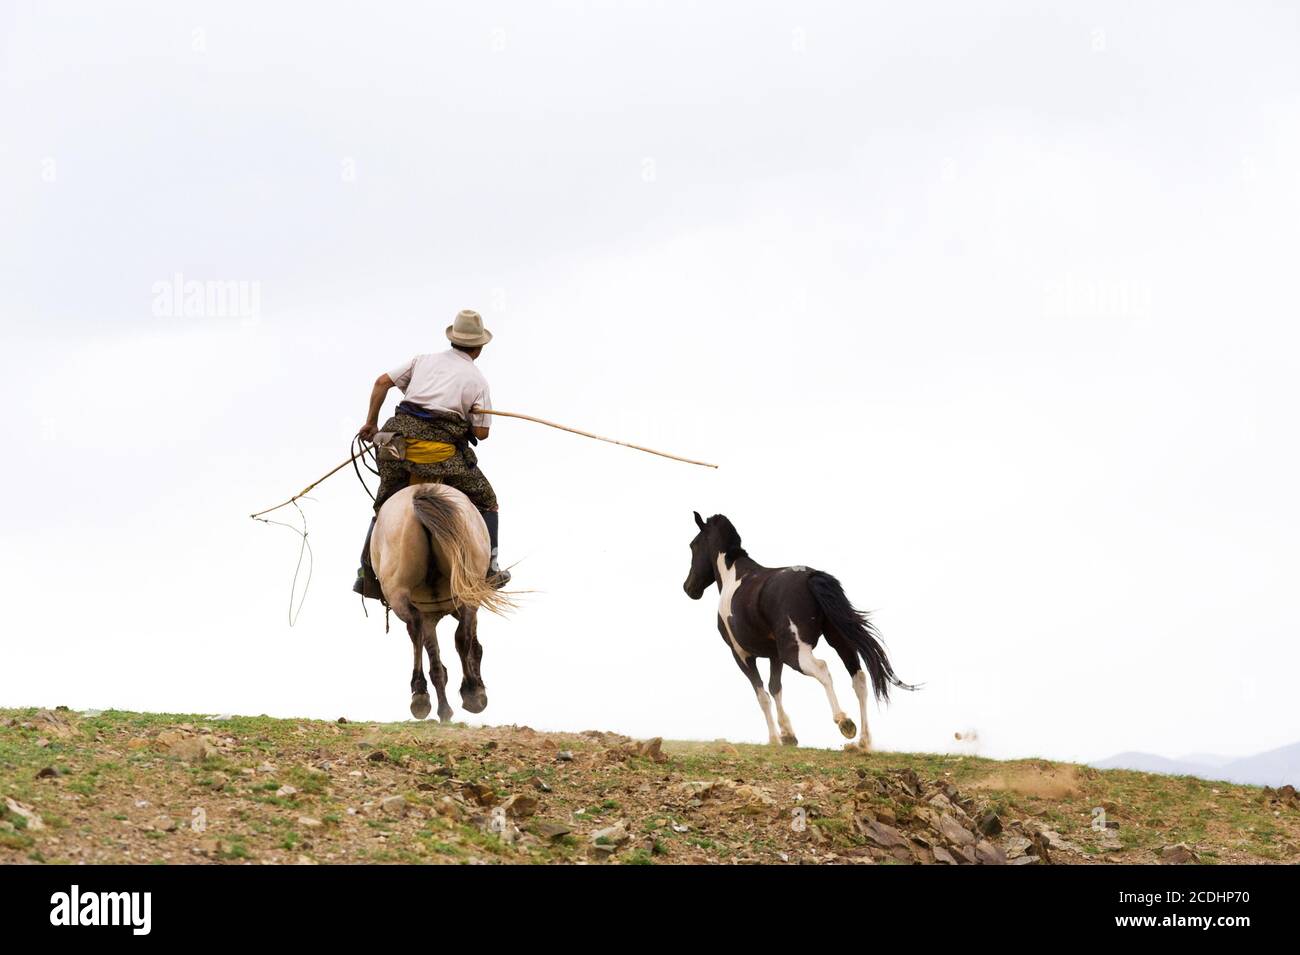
(848, 729)
(420, 705)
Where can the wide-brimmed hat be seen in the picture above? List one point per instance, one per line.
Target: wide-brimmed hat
(468, 330)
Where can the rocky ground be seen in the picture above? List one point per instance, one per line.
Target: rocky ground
(128, 787)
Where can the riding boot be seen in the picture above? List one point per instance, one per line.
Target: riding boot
(366, 585)
(495, 574)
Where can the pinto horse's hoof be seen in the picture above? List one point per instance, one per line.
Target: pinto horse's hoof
(848, 729)
(420, 705)
(789, 739)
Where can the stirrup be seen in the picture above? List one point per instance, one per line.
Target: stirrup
(498, 578)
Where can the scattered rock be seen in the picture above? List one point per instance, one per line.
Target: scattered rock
(549, 829)
(29, 814)
(653, 749)
(286, 791)
(49, 772)
(614, 835)
(986, 853)
(538, 783)
(1040, 847)
(446, 806)
(1016, 846)
(1285, 796)
(520, 806)
(752, 800)
(377, 756)
(1179, 854)
(481, 793)
(564, 756)
(943, 804)
(191, 750)
(54, 723)
(309, 822)
(394, 805)
(954, 831)
(885, 836)
(989, 824)
(943, 856)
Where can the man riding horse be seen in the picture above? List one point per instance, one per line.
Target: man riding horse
(437, 428)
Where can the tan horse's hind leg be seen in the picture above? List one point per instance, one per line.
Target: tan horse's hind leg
(419, 688)
(436, 668)
(473, 694)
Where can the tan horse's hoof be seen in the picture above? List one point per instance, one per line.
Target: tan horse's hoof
(420, 705)
(789, 739)
(848, 729)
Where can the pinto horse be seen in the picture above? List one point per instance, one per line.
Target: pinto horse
(779, 613)
(430, 554)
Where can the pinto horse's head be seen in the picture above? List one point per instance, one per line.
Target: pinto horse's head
(716, 536)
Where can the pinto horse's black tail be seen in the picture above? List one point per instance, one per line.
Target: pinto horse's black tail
(856, 627)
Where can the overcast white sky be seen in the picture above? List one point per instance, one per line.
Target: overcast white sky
(989, 309)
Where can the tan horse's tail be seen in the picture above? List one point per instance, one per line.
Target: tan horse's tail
(453, 538)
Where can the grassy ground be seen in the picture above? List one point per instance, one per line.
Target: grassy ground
(125, 787)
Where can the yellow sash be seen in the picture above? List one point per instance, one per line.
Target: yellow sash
(428, 452)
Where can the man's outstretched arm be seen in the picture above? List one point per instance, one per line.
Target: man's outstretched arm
(377, 395)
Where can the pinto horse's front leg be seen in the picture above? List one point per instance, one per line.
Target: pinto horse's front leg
(749, 667)
(774, 685)
(473, 694)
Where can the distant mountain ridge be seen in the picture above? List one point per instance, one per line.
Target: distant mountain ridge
(1276, 767)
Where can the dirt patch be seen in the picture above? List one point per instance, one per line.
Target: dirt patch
(1040, 782)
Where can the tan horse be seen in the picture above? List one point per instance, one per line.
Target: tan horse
(409, 522)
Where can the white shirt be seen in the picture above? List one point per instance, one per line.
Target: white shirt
(445, 381)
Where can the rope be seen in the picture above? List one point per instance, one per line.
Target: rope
(303, 549)
(359, 452)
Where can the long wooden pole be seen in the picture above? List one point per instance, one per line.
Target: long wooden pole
(588, 434)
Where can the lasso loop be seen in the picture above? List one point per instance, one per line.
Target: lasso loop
(360, 451)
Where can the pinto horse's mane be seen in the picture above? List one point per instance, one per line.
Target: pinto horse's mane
(727, 537)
